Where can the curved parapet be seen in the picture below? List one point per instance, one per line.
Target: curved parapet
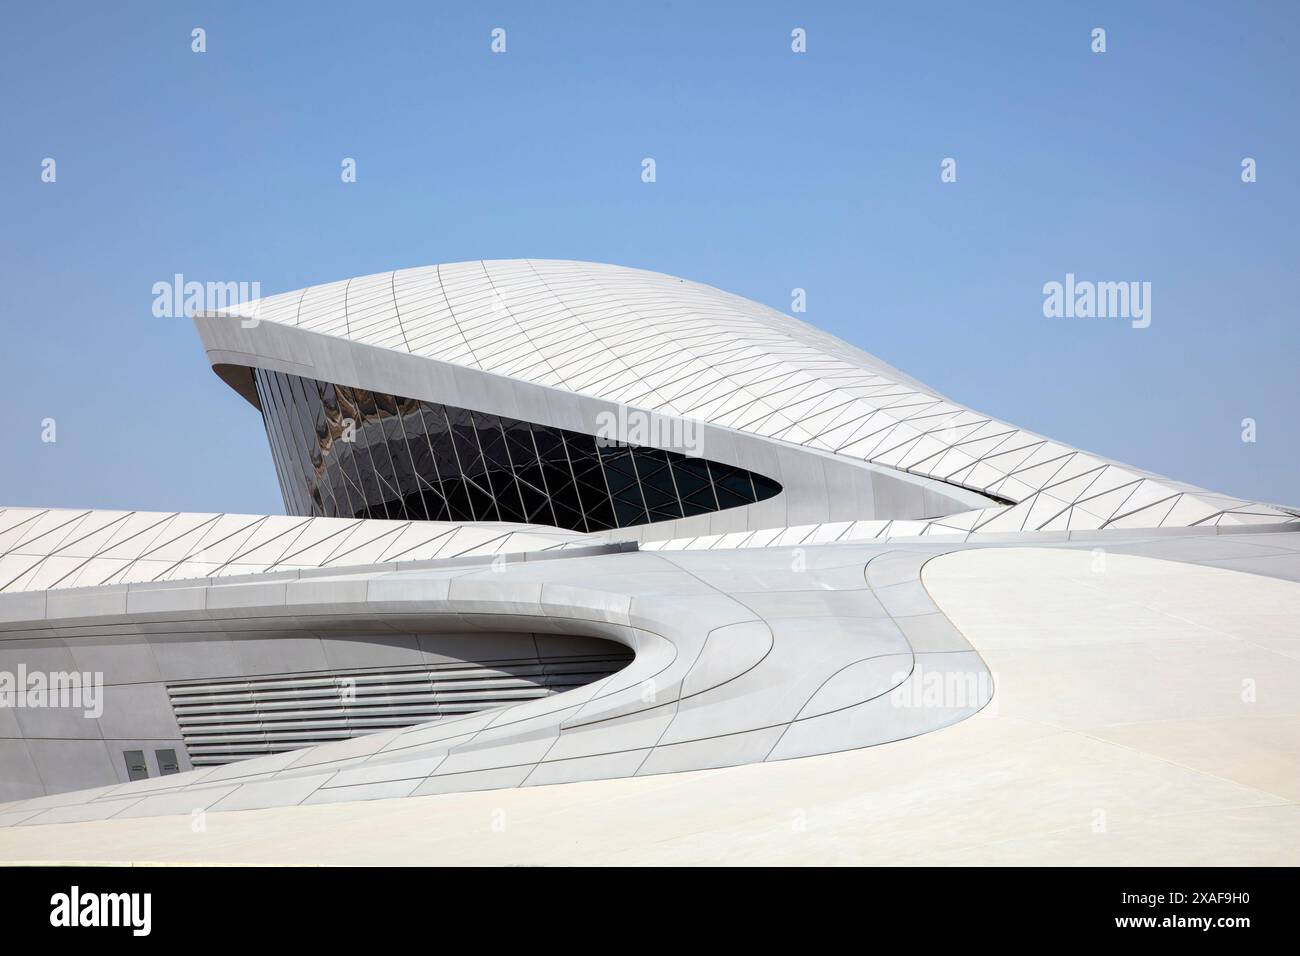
(45, 548)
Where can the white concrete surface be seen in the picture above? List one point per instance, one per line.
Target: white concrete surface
(1147, 712)
(680, 349)
(738, 658)
(58, 548)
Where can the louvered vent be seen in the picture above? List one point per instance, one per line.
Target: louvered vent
(226, 720)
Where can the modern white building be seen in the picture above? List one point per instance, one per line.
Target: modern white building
(547, 522)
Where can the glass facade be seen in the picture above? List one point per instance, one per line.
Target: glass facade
(348, 452)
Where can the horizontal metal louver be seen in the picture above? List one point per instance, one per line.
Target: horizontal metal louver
(234, 719)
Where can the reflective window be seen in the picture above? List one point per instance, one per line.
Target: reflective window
(348, 452)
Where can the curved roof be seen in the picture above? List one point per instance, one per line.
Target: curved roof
(44, 548)
(681, 348)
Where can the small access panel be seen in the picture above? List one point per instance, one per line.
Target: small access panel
(136, 768)
(167, 762)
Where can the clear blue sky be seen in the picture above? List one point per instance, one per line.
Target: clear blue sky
(775, 170)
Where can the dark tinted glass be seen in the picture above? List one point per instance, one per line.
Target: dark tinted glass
(346, 452)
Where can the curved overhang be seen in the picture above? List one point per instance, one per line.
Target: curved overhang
(818, 485)
(569, 340)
